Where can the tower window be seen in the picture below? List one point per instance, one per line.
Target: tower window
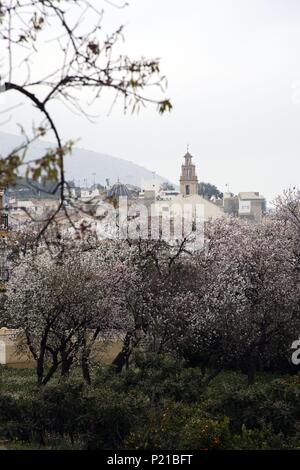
(187, 190)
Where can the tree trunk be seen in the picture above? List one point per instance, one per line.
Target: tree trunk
(40, 364)
(122, 359)
(251, 372)
(86, 352)
(86, 368)
(66, 363)
(53, 368)
(40, 369)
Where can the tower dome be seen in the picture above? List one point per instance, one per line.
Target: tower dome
(118, 190)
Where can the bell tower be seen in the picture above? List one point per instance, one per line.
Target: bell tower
(188, 178)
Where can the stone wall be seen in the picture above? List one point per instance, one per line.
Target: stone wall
(10, 353)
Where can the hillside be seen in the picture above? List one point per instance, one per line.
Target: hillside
(82, 164)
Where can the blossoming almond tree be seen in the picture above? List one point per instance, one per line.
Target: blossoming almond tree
(234, 304)
(250, 311)
(152, 301)
(63, 306)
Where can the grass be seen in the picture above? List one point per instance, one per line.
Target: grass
(14, 381)
(52, 445)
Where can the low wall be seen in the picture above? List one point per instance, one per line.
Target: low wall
(10, 355)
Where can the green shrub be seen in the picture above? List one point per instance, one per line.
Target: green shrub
(159, 403)
(179, 427)
(159, 377)
(98, 418)
(273, 404)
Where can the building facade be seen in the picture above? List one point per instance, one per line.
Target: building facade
(247, 205)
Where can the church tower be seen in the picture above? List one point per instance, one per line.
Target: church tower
(188, 178)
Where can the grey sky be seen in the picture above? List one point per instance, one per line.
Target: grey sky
(231, 67)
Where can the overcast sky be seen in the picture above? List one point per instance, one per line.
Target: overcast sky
(233, 69)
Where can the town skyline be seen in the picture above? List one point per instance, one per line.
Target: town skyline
(90, 177)
(233, 73)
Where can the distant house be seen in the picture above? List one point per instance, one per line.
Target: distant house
(247, 205)
(194, 202)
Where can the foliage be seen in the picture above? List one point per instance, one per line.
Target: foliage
(118, 410)
(209, 190)
(159, 377)
(234, 304)
(266, 404)
(249, 311)
(89, 417)
(177, 427)
(63, 305)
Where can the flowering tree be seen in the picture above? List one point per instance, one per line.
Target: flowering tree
(235, 304)
(250, 310)
(288, 210)
(157, 302)
(64, 305)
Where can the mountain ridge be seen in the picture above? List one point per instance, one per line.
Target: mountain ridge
(85, 165)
